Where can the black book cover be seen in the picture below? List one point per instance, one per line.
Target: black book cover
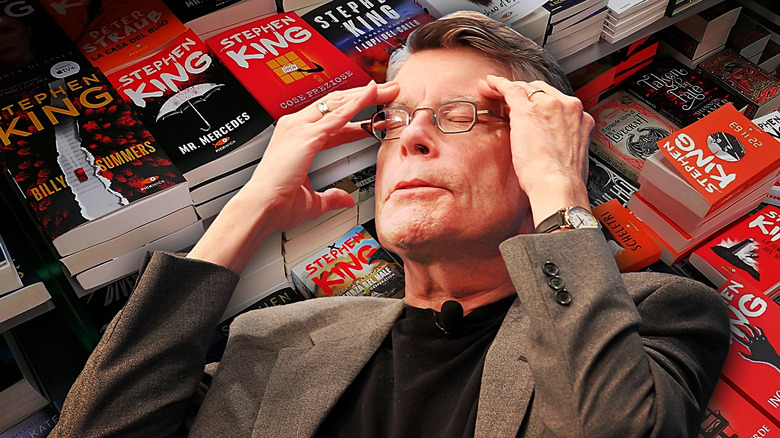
(605, 184)
(186, 10)
(31, 45)
(76, 151)
(192, 104)
(681, 94)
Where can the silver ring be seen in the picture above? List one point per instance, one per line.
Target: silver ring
(323, 107)
(538, 90)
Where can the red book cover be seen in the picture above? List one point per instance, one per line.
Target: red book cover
(751, 246)
(112, 33)
(285, 63)
(729, 415)
(752, 365)
(721, 154)
(744, 77)
(630, 244)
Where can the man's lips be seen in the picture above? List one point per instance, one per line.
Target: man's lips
(414, 184)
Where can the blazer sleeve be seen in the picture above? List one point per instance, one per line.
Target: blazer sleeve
(633, 355)
(141, 378)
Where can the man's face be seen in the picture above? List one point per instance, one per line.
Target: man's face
(437, 192)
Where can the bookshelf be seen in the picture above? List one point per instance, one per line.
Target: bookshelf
(603, 48)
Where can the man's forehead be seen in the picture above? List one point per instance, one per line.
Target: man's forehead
(434, 101)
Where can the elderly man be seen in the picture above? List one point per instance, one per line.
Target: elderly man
(480, 190)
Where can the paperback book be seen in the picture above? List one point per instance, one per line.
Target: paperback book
(720, 156)
(752, 366)
(33, 44)
(193, 106)
(77, 153)
(285, 63)
(728, 414)
(770, 123)
(631, 246)
(750, 246)
(355, 264)
(679, 93)
(605, 184)
(738, 74)
(367, 32)
(111, 33)
(627, 131)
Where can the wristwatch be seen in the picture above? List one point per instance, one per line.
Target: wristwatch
(568, 218)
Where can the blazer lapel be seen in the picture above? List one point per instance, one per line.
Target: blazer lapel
(507, 383)
(307, 381)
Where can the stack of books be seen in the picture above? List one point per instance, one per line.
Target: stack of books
(574, 25)
(627, 16)
(770, 123)
(705, 176)
(631, 246)
(702, 35)
(748, 38)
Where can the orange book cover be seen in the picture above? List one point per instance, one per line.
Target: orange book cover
(721, 154)
(285, 63)
(631, 246)
(112, 33)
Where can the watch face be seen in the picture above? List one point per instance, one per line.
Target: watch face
(581, 218)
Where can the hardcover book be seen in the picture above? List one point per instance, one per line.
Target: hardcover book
(367, 32)
(193, 106)
(111, 33)
(626, 131)
(631, 246)
(605, 183)
(728, 414)
(355, 264)
(32, 45)
(749, 246)
(744, 77)
(285, 63)
(77, 153)
(679, 93)
(720, 155)
(752, 366)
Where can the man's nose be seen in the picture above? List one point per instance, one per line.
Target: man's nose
(417, 137)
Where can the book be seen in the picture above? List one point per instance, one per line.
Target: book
(38, 424)
(746, 78)
(747, 37)
(190, 10)
(192, 105)
(721, 155)
(752, 363)
(231, 15)
(694, 51)
(534, 25)
(576, 22)
(367, 32)
(296, 5)
(728, 414)
(30, 300)
(631, 246)
(712, 24)
(750, 247)
(585, 29)
(626, 131)
(85, 165)
(679, 93)
(285, 63)
(111, 33)
(770, 123)
(33, 45)
(605, 183)
(9, 277)
(353, 265)
(562, 9)
(105, 302)
(504, 11)
(617, 28)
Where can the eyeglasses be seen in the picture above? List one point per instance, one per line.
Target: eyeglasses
(451, 118)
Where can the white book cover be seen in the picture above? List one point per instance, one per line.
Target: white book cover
(505, 11)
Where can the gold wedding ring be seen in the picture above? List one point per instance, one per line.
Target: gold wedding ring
(538, 90)
(323, 107)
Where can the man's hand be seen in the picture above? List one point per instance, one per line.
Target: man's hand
(549, 134)
(279, 196)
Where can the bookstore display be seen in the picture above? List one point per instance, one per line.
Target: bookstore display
(127, 126)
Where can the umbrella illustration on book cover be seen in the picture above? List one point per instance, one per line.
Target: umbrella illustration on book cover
(188, 98)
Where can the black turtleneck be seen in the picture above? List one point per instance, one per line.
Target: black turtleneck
(422, 382)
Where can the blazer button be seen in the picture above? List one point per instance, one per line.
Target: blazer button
(556, 283)
(563, 297)
(550, 269)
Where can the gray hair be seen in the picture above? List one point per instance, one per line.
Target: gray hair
(497, 41)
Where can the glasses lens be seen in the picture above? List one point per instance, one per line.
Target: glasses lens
(456, 117)
(388, 124)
